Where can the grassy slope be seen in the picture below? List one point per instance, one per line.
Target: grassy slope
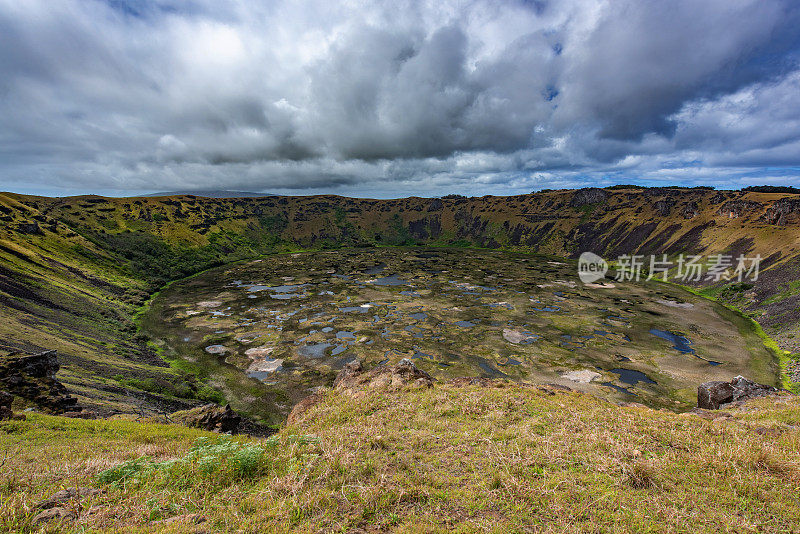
(448, 459)
(60, 291)
(99, 257)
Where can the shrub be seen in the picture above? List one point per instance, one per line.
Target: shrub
(216, 462)
(124, 471)
(221, 462)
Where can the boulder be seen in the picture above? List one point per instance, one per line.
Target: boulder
(66, 495)
(60, 513)
(209, 417)
(712, 395)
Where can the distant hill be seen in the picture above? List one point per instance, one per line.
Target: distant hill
(211, 194)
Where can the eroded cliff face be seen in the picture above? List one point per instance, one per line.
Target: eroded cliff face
(563, 222)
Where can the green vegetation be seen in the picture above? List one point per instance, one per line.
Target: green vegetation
(159, 262)
(216, 462)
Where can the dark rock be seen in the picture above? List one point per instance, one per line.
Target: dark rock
(662, 207)
(31, 228)
(690, 210)
(33, 378)
(587, 195)
(209, 417)
(777, 213)
(5, 405)
(712, 395)
(736, 208)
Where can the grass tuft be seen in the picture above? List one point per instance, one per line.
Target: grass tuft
(641, 475)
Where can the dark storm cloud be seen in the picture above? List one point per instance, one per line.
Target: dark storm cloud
(643, 60)
(398, 96)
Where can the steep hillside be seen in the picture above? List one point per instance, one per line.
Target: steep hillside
(456, 457)
(60, 291)
(74, 270)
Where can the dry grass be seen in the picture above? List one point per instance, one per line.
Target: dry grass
(448, 459)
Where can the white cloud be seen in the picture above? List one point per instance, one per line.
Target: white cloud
(394, 96)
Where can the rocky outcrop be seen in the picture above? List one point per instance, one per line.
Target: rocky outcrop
(32, 377)
(435, 204)
(404, 373)
(662, 207)
(209, 417)
(734, 209)
(302, 407)
(712, 395)
(588, 195)
(690, 210)
(778, 213)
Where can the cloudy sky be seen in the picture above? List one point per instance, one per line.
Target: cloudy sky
(396, 98)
